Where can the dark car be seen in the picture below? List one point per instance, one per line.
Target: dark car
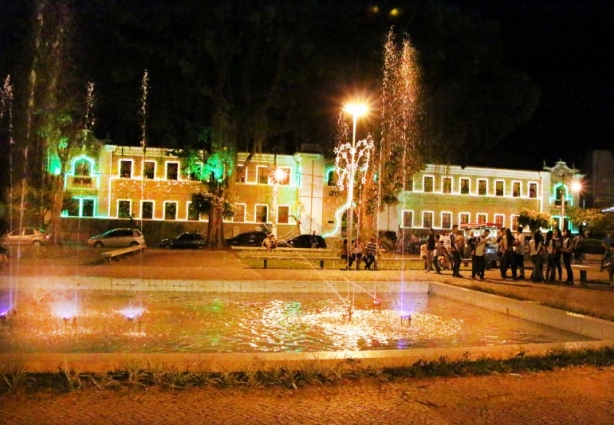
(254, 238)
(304, 241)
(185, 241)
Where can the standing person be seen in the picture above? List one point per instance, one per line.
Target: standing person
(558, 243)
(357, 249)
(567, 251)
(477, 256)
(536, 245)
(606, 243)
(344, 253)
(313, 240)
(430, 249)
(550, 246)
(579, 246)
(455, 250)
(370, 255)
(508, 259)
(519, 249)
(424, 255)
(440, 255)
(499, 243)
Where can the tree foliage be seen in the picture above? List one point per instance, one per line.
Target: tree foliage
(534, 219)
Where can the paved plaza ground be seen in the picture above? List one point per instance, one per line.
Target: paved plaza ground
(580, 395)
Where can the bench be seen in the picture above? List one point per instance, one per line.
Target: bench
(117, 254)
(266, 257)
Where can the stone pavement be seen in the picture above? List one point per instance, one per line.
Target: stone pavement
(582, 395)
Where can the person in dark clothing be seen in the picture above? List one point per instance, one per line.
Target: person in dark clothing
(456, 253)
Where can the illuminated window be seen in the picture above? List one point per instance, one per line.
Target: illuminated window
(463, 218)
(125, 169)
(262, 214)
(283, 214)
(262, 174)
(515, 221)
(464, 186)
(123, 209)
(447, 185)
(482, 187)
(427, 219)
(239, 216)
(516, 189)
(532, 190)
(500, 220)
(408, 219)
(170, 210)
(482, 218)
(82, 168)
(446, 220)
(172, 170)
(149, 169)
(428, 183)
(193, 213)
(147, 209)
(499, 188)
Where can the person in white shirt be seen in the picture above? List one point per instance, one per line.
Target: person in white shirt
(477, 256)
(519, 249)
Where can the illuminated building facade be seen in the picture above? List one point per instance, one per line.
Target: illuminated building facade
(125, 182)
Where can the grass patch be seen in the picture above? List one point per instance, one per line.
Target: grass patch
(309, 372)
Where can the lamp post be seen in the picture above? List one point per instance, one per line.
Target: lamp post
(575, 187)
(356, 110)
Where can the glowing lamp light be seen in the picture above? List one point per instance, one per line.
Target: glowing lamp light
(576, 186)
(356, 109)
(279, 175)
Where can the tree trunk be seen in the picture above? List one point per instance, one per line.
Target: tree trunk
(56, 208)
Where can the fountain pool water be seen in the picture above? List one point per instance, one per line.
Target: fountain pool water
(114, 321)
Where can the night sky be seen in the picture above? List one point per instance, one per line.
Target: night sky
(566, 47)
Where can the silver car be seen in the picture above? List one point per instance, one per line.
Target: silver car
(117, 238)
(26, 236)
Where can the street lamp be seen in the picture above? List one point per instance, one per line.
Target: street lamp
(350, 156)
(575, 187)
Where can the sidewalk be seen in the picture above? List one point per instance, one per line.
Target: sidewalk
(583, 395)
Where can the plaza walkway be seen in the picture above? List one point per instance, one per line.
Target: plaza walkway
(582, 395)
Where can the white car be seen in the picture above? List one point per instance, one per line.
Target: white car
(26, 236)
(117, 238)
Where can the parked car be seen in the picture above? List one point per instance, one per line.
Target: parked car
(253, 238)
(26, 236)
(117, 238)
(304, 241)
(185, 241)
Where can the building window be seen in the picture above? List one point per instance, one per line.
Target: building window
(482, 218)
(170, 210)
(172, 170)
(410, 185)
(516, 189)
(125, 169)
(193, 213)
(464, 186)
(123, 209)
(262, 214)
(446, 220)
(515, 222)
(408, 219)
(499, 188)
(262, 174)
(81, 207)
(428, 183)
(149, 170)
(427, 219)
(532, 190)
(241, 174)
(499, 220)
(283, 214)
(239, 215)
(147, 209)
(482, 187)
(82, 168)
(463, 218)
(447, 185)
